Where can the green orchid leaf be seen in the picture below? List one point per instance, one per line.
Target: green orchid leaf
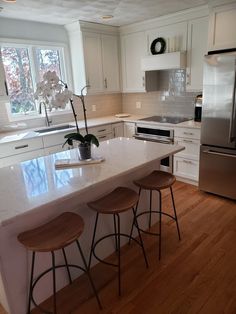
(75, 137)
(90, 138)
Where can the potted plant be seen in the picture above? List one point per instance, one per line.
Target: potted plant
(54, 93)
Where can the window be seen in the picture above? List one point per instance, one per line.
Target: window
(25, 66)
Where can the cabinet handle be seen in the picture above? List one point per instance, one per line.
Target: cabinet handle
(187, 141)
(22, 146)
(6, 88)
(143, 81)
(100, 137)
(187, 161)
(102, 130)
(188, 133)
(105, 82)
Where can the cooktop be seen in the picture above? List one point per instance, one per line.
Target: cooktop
(163, 119)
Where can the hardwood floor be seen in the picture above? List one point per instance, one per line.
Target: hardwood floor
(195, 275)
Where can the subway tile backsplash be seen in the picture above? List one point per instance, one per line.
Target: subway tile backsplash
(170, 99)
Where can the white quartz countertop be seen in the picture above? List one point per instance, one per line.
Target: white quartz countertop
(35, 184)
(7, 137)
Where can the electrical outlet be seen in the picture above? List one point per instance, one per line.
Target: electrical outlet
(94, 108)
(138, 104)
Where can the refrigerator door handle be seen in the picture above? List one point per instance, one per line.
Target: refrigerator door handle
(232, 135)
(212, 152)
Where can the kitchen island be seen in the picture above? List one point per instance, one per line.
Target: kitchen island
(33, 192)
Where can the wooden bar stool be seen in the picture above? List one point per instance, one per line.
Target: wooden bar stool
(119, 200)
(50, 237)
(156, 181)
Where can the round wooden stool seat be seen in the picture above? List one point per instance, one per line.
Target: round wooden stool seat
(54, 235)
(119, 200)
(157, 180)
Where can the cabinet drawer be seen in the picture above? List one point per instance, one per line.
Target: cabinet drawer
(55, 139)
(101, 130)
(186, 168)
(192, 148)
(19, 147)
(104, 137)
(14, 159)
(187, 133)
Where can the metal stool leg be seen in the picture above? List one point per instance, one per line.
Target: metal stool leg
(114, 220)
(140, 238)
(31, 281)
(136, 209)
(93, 240)
(118, 240)
(88, 274)
(54, 283)
(160, 216)
(176, 218)
(67, 267)
(150, 209)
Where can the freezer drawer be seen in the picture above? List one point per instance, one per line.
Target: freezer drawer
(218, 171)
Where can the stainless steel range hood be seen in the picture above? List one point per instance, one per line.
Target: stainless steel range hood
(155, 68)
(165, 61)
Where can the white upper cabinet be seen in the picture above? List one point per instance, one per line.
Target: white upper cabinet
(110, 61)
(93, 62)
(133, 48)
(101, 62)
(176, 32)
(197, 48)
(222, 27)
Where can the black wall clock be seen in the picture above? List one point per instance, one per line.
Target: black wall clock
(158, 46)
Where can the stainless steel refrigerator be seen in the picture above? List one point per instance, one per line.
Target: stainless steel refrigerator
(218, 132)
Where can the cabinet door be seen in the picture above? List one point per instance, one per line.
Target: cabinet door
(186, 168)
(118, 129)
(133, 49)
(110, 63)
(3, 86)
(93, 62)
(129, 129)
(222, 27)
(197, 48)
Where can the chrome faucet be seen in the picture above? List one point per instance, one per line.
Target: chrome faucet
(47, 119)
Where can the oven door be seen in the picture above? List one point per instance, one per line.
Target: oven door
(166, 164)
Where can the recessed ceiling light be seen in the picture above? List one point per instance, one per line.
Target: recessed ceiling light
(107, 17)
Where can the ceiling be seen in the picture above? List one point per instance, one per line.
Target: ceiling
(66, 11)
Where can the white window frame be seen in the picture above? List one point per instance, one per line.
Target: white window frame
(65, 67)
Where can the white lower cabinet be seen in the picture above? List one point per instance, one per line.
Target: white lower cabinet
(118, 129)
(129, 129)
(186, 162)
(14, 159)
(186, 168)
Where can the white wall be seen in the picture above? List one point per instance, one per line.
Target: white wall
(11, 28)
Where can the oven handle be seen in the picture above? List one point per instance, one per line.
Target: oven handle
(140, 137)
(218, 153)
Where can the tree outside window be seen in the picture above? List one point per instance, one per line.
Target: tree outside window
(22, 66)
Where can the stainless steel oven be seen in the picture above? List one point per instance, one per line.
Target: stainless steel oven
(157, 134)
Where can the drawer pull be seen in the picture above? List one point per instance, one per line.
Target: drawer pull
(103, 130)
(100, 137)
(187, 141)
(188, 133)
(187, 161)
(22, 146)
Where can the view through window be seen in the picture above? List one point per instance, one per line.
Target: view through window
(24, 67)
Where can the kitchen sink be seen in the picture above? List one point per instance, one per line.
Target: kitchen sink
(55, 128)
